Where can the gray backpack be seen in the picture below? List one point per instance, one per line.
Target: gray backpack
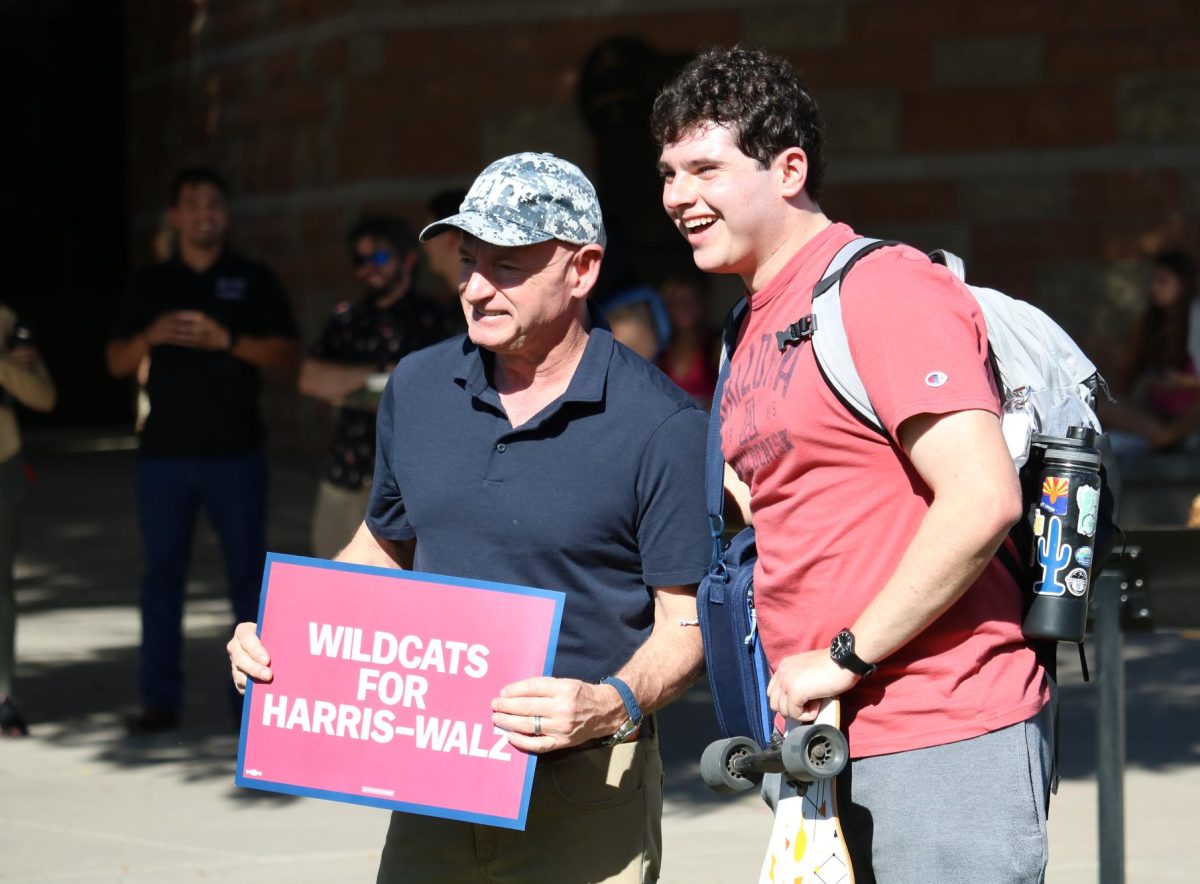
(1046, 382)
(1045, 379)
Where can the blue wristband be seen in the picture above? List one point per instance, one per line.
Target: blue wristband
(632, 709)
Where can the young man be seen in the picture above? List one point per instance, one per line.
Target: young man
(535, 450)
(211, 320)
(361, 339)
(875, 581)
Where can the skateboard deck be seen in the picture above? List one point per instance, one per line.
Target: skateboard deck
(807, 845)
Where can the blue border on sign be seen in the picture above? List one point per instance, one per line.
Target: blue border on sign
(517, 822)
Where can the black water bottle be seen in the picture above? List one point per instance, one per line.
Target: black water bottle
(1064, 537)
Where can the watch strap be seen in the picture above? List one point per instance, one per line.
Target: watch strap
(633, 711)
(847, 659)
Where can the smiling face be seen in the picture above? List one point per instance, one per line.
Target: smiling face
(200, 215)
(520, 301)
(727, 206)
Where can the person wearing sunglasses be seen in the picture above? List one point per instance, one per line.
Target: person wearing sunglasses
(347, 366)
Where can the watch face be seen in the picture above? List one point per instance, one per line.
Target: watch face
(843, 644)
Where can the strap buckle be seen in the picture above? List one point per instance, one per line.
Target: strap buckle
(796, 333)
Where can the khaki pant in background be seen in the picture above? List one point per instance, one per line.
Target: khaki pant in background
(336, 517)
(594, 816)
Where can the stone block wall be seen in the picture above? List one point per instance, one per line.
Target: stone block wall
(1054, 145)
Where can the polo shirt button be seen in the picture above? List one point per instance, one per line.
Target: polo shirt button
(501, 447)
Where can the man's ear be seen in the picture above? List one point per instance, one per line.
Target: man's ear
(791, 167)
(586, 264)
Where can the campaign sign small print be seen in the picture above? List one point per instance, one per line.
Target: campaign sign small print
(382, 689)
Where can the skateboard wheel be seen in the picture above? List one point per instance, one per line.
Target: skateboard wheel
(814, 752)
(717, 765)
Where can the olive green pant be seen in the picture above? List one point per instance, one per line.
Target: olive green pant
(594, 815)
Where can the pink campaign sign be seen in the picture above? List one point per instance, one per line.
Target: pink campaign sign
(383, 688)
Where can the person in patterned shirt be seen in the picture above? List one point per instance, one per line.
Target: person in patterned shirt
(348, 365)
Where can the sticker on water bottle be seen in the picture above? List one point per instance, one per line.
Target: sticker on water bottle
(1088, 499)
(1077, 582)
(1055, 495)
(1083, 556)
(1054, 556)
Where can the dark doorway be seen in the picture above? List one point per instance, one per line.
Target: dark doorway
(64, 243)
(617, 86)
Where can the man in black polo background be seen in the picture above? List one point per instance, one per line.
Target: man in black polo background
(211, 320)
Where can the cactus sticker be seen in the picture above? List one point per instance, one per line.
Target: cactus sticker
(1088, 499)
(1053, 555)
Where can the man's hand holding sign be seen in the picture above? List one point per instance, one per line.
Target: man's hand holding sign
(387, 697)
(384, 690)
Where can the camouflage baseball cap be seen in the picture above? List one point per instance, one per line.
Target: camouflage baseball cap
(528, 198)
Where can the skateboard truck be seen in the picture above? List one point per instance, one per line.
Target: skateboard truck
(808, 753)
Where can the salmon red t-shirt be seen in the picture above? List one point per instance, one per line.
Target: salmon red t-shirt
(835, 503)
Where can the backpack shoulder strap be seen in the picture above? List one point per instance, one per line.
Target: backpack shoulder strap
(831, 345)
(714, 460)
(950, 261)
(732, 328)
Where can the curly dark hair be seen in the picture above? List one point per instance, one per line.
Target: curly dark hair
(759, 97)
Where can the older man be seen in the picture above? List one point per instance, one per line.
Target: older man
(536, 450)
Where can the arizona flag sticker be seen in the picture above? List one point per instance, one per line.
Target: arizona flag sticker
(1054, 495)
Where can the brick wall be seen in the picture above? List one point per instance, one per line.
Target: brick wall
(1054, 145)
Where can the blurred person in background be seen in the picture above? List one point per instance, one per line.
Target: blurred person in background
(441, 254)
(1157, 387)
(211, 320)
(348, 365)
(162, 246)
(692, 354)
(25, 380)
(634, 311)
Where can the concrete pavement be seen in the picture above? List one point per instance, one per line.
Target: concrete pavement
(80, 802)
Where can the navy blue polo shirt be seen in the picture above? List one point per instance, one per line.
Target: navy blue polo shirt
(600, 495)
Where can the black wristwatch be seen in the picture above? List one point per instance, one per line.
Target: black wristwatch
(841, 651)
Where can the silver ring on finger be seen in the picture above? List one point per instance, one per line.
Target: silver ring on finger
(537, 725)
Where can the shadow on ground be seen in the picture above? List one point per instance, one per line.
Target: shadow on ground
(79, 566)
